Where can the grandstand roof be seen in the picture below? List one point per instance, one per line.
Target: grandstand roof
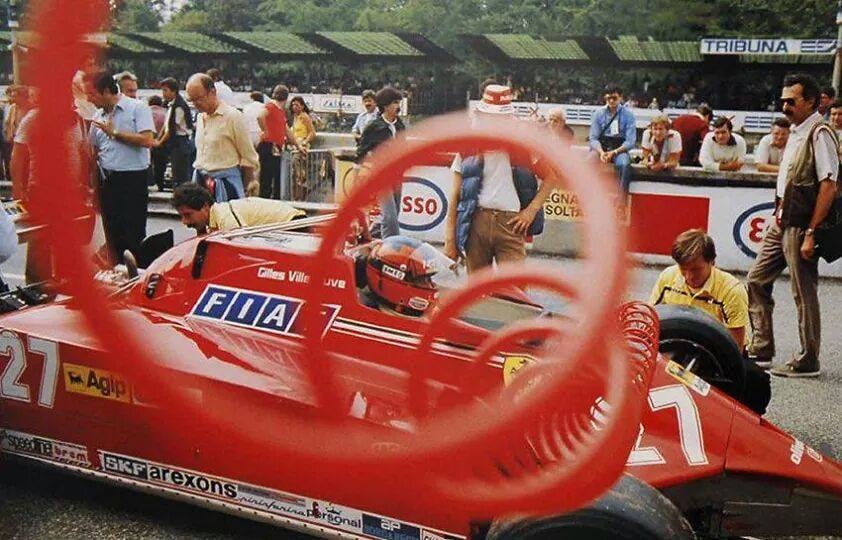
(187, 42)
(124, 44)
(379, 44)
(275, 43)
(511, 47)
(629, 49)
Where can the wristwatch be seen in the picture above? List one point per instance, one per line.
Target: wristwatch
(809, 232)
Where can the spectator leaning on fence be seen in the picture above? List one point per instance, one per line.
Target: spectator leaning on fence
(224, 152)
(661, 145)
(365, 117)
(274, 132)
(557, 122)
(196, 208)
(613, 134)
(723, 150)
(693, 128)
(770, 149)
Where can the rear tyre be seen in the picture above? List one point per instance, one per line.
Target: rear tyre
(631, 510)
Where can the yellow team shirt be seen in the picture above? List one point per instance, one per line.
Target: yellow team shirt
(723, 296)
(250, 212)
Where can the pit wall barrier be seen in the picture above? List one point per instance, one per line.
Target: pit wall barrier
(734, 207)
(581, 115)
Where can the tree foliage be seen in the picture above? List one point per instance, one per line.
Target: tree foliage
(445, 21)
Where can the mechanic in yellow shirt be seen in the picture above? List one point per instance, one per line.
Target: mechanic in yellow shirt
(196, 208)
(695, 281)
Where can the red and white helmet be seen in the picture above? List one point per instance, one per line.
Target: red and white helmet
(400, 273)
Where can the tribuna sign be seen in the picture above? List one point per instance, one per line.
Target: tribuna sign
(766, 46)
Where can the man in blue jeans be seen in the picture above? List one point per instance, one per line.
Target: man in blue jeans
(383, 128)
(613, 133)
(224, 152)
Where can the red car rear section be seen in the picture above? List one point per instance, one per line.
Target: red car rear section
(225, 316)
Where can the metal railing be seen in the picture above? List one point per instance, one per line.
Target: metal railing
(310, 177)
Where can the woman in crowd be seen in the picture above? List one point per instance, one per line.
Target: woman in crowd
(661, 145)
(304, 132)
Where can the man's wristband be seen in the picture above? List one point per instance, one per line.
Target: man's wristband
(809, 232)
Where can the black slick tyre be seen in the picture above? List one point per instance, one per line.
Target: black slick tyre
(631, 510)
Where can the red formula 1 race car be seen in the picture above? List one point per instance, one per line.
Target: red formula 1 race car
(226, 307)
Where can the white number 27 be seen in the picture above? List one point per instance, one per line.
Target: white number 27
(689, 427)
(11, 345)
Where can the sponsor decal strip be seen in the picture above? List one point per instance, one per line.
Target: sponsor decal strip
(294, 507)
(27, 444)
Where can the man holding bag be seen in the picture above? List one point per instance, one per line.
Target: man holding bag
(806, 190)
(613, 133)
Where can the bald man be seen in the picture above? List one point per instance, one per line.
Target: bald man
(225, 156)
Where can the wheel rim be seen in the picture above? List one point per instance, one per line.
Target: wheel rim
(705, 363)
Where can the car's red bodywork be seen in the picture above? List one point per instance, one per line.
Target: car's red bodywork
(65, 402)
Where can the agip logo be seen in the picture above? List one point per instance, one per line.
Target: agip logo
(751, 226)
(423, 205)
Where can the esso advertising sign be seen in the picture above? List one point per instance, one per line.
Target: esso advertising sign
(750, 227)
(423, 205)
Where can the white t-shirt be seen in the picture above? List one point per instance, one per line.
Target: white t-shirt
(766, 153)
(824, 151)
(224, 92)
(250, 113)
(498, 186)
(713, 153)
(672, 144)
(392, 127)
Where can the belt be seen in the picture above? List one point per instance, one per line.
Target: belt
(495, 212)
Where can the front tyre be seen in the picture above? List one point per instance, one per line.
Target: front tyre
(631, 510)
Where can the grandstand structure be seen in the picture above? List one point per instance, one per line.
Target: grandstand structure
(323, 52)
(380, 46)
(622, 51)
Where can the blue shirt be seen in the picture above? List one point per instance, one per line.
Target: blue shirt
(129, 115)
(626, 124)
(364, 119)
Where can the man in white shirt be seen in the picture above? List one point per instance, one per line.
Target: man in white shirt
(722, 150)
(250, 113)
(223, 91)
(770, 149)
(495, 203)
(806, 189)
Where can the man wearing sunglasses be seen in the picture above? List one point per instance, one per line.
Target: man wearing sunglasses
(613, 133)
(806, 189)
